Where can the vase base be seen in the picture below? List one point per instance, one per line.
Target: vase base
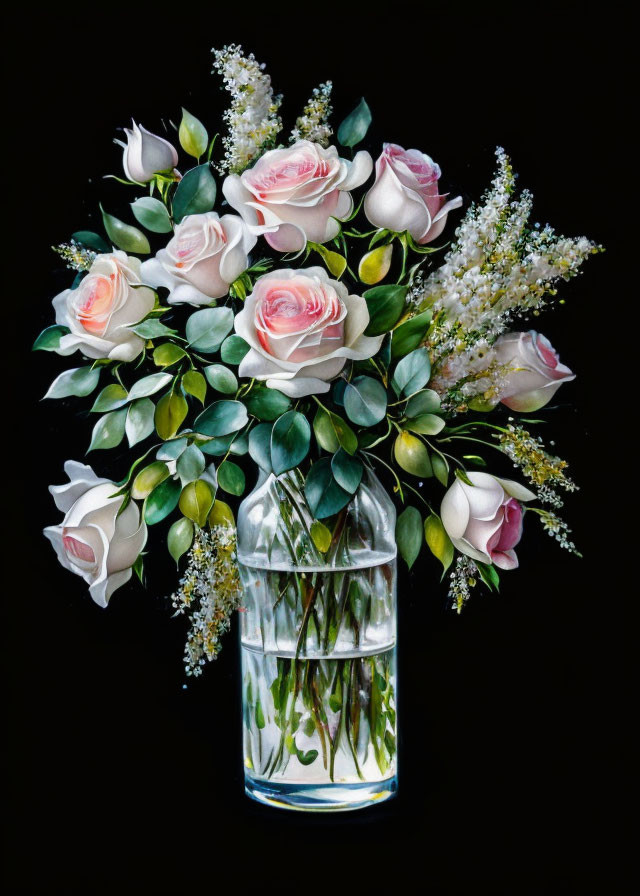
(320, 797)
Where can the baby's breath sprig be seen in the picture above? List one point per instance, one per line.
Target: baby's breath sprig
(542, 469)
(313, 124)
(558, 529)
(75, 256)
(463, 578)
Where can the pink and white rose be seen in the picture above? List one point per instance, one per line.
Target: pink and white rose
(94, 540)
(206, 254)
(296, 194)
(102, 309)
(405, 195)
(484, 520)
(535, 373)
(302, 327)
(146, 154)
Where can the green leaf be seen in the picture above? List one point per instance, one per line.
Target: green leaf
(221, 515)
(412, 455)
(80, 381)
(365, 401)
(194, 384)
(412, 373)
(196, 193)
(332, 432)
(108, 431)
(233, 443)
(489, 575)
(192, 135)
(149, 385)
(191, 464)
(206, 329)
(260, 446)
(440, 469)
(409, 535)
(180, 538)
(152, 214)
(233, 349)
(320, 536)
(425, 402)
(231, 478)
(427, 424)
(336, 264)
(91, 240)
(221, 378)
(355, 126)
(139, 424)
(374, 266)
(168, 354)
(307, 758)
(221, 418)
(347, 471)
(439, 542)
(290, 439)
(409, 335)
(324, 496)
(125, 237)
(169, 415)
(49, 339)
(385, 304)
(112, 397)
(152, 329)
(196, 500)
(162, 501)
(148, 479)
(267, 404)
(172, 450)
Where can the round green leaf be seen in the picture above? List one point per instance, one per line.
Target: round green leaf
(332, 432)
(425, 402)
(365, 401)
(125, 237)
(196, 500)
(412, 455)
(324, 496)
(207, 328)
(221, 378)
(412, 373)
(172, 450)
(321, 536)
(440, 469)
(409, 335)
(260, 446)
(180, 538)
(229, 444)
(221, 418)
(347, 471)
(191, 464)
(108, 431)
(231, 478)
(409, 535)
(427, 424)
(91, 240)
(385, 304)
(152, 214)
(139, 424)
(149, 385)
(355, 126)
(80, 381)
(169, 415)
(233, 349)
(290, 439)
(192, 135)
(196, 193)
(148, 479)
(152, 329)
(49, 339)
(265, 403)
(167, 354)
(195, 384)
(112, 397)
(162, 501)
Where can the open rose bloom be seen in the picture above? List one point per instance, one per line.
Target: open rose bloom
(535, 373)
(94, 540)
(206, 254)
(484, 520)
(296, 194)
(302, 327)
(405, 195)
(101, 310)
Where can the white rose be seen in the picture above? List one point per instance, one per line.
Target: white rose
(484, 520)
(295, 194)
(302, 327)
(146, 154)
(92, 540)
(100, 312)
(206, 254)
(535, 373)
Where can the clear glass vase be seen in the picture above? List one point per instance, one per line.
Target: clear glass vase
(318, 636)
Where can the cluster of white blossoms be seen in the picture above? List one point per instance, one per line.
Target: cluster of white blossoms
(558, 529)
(209, 593)
(496, 270)
(313, 124)
(462, 579)
(545, 471)
(252, 118)
(75, 256)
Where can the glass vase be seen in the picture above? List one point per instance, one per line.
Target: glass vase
(318, 642)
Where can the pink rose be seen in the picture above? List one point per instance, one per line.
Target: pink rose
(484, 520)
(205, 256)
(302, 327)
(405, 195)
(295, 194)
(536, 372)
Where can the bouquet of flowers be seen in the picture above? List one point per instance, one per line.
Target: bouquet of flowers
(284, 306)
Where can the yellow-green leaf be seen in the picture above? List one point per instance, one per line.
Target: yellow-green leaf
(148, 479)
(170, 412)
(374, 266)
(221, 515)
(412, 455)
(167, 354)
(195, 384)
(196, 500)
(439, 542)
(321, 536)
(192, 135)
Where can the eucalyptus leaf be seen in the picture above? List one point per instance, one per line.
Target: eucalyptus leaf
(149, 385)
(221, 378)
(290, 440)
(365, 401)
(91, 240)
(265, 403)
(411, 454)
(321, 536)
(221, 418)
(347, 470)
(192, 135)
(108, 431)
(324, 496)
(162, 501)
(196, 193)
(425, 402)
(152, 214)
(233, 349)
(412, 372)
(234, 443)
(191, 464)
(260, 446)
(206, 329)
(439, 542)
(427, 424)
(110, 398)
(409, 534)
(172, 449)
(221, 515)
(194, 384)
(148, 479)
(231, 479)
(196, 500)
(79, 381)
(386, 305)
(167, 354)
(124, 236)
(49, 339)
(180, 538)
(440, 469)
(409, 335)
(332, 432)
(170, 412)
(355, 126)
(152, 329)
(139, 424)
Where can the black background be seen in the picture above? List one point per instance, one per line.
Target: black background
(510, 740)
